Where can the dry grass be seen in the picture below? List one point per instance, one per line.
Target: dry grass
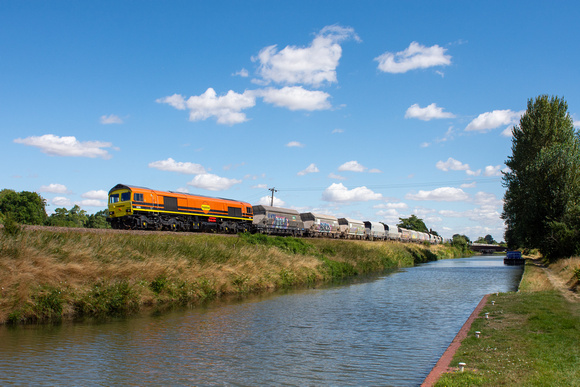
(47, 273)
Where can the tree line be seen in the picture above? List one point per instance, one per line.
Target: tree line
(30, 208)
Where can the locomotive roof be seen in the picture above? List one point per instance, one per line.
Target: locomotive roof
(124, 186)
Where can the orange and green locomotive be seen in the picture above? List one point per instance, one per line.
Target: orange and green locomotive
(135, 208)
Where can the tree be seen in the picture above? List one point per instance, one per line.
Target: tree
(543, 183)
(98, 220)
(413, 223)
(23, 207)
(488, 239)
(75, 217)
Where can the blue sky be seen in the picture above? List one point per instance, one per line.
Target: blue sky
(372, 110)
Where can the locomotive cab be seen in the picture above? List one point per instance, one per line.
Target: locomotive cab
(120, 205)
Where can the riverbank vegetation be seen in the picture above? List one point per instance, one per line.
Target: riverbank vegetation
(542, 199)
(49, 275)
(530, 338)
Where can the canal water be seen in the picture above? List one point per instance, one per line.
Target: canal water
(387, 330)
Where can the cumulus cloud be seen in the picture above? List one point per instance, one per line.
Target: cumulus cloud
(212, 182)
(398, 206)
(487, 199)
(451, 164)
(92, 203)
(111, 119)
(443, 194)
(177, 166)
(338, 131)
(267, 200)
(427, 113)
(312, 65)
(352, 166)
(339, 193)
(491, 120)
(61, 201)
(416, 56)
(227, 109)
(67, 146)
(295, 144)
(491, 170)
(312, 168)
(96, 195)
(296, 98)
(242, 73)
(55, 188)
(336, 177)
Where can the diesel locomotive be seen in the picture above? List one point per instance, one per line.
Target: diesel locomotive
(132, 207)
(139, 208)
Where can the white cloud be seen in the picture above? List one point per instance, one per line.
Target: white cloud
(312, 168)
(295, 144)
(111, 119)
(212, 182)
(490, 170)
(375, 170)
(67, 146)
(487, 199)
(96, 194)
(443, 194)
(427, 113)
(339, 193)
(296, 98)
(55, 188)
(414, 57)
(242, 73)
(312, 65)
(398, 206)
(338, 131)
(226, 109)
(473, 184)
(267, 200)
(177, 166)
(451, 164)
(92, 203)
(61, 201)
(576, 124)
(491, 120)
(336, 177)
(261, 186)
(352, 166)
(473, 173)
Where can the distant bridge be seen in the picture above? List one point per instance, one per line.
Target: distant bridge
(483, 248)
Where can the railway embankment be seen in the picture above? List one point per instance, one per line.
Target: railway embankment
(525, 338)
(55, 274)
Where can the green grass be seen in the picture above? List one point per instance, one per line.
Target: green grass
(530, 339)
(54, 275)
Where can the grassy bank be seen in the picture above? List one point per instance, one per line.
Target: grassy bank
(50, 275)
(530, 338)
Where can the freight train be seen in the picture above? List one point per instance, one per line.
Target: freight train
(139, 208)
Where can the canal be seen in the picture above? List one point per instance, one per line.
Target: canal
(386, 330)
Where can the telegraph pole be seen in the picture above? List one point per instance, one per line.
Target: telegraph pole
(273, 189)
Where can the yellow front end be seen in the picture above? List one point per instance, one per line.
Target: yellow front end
(120, 203)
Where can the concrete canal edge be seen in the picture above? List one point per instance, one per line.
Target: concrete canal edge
(443, 363)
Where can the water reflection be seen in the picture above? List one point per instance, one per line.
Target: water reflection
(389, 330)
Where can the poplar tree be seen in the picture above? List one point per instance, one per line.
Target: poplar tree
(543, 181)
